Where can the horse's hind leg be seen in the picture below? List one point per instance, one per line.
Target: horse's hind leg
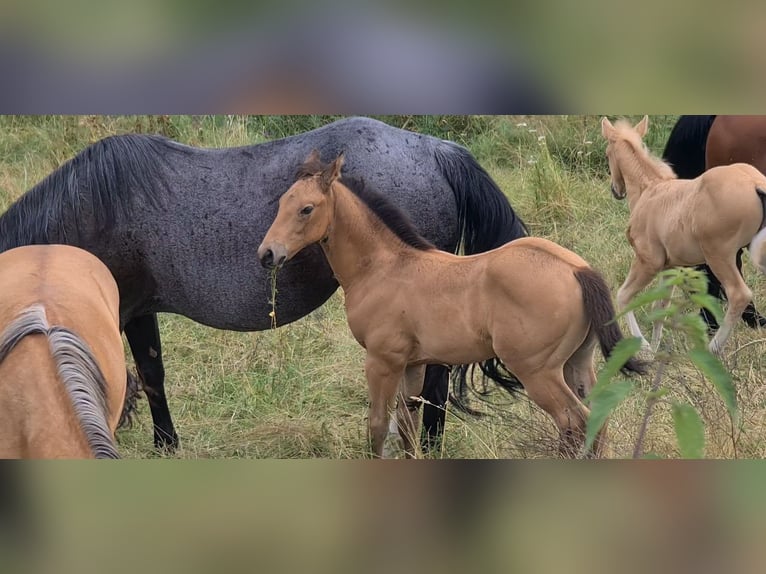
(143, 336)
(737, 293)
(549, 390)
(581, 378)
(714, 289)
(750, 315)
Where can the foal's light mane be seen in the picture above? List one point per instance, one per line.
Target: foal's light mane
(641, 160)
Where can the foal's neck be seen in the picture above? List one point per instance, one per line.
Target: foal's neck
(356, 241)
(641, 171)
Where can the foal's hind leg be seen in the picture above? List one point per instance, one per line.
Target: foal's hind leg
(737, 293)
(549, 390)
(581, 378)
(143, 336)
(750, 315)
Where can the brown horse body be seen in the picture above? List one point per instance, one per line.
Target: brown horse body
(62, 376)
(737, 139)
(410, 305)
(675, 222)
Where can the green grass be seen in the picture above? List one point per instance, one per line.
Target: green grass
(299, 391)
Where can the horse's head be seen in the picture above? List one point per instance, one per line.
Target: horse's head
(615, 145)
(305, 212)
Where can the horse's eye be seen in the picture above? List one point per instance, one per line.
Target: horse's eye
(307, 210)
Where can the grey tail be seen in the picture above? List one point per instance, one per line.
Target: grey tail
(78, 370)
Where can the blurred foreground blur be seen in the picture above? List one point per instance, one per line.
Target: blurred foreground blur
(387, 517)
(339, 56)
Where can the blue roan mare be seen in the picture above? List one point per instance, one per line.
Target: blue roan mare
(179, 227)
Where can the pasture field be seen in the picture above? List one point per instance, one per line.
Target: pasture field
(299, 391)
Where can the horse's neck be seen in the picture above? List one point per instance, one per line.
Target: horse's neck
(355, 244)
(640, 175)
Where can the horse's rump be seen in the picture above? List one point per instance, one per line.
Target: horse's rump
(77, 370)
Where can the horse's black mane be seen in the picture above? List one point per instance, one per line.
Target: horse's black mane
(98, 185)
(383, 208)
(391, 216)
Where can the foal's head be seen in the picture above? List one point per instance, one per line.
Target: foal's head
(617, 138)
(304, 212)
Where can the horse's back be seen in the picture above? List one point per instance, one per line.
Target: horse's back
(72, 284)
(77, 292)
(529, 245)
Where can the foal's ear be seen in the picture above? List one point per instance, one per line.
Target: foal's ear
(606, 127)
(332, 171)
(313, 157)
(643, 126)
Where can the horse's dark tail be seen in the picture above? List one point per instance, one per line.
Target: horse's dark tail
(600, 310)
(485, 216)
(685, 148)
(130, 406)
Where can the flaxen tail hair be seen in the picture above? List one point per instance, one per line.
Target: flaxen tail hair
(600, 310)
(78, 370)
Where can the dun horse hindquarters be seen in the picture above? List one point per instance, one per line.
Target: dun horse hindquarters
(536, 306)
(697, 143)
(62, 368)
(170, 220)
(684, 222)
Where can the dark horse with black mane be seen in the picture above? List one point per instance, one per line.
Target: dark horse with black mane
(698, 143)
(179, 228)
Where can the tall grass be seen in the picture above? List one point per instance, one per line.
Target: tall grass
(299, 391)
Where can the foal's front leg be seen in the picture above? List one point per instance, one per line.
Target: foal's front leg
(383, 377)
(639, 276)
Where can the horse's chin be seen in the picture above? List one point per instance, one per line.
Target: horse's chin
(616, 195)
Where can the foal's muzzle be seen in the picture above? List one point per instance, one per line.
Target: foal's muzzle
(272, 256)
(617, 194)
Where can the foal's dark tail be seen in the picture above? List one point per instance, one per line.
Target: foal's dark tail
(486, 220)
(685, 148)
(600, 310)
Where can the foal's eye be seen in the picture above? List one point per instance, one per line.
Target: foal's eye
(307, 210)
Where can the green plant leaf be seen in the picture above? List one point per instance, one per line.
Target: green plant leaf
(708, 302)
(602, 405)
(690, 432)
(621, 352)
(656, 294)
(714, 370)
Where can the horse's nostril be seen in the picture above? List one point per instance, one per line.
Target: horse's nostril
(267, 259)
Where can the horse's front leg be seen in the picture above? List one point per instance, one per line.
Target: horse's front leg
(143, 336)
(659, 322)
(639, 276)
(384, 375)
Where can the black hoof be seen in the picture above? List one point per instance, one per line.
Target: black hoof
(165, 442)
